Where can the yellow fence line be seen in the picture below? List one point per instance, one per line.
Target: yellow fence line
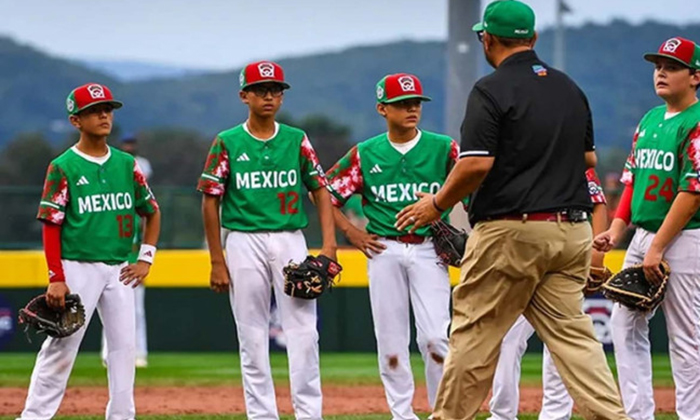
(190, 268)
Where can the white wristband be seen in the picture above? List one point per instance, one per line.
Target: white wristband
(147, 253)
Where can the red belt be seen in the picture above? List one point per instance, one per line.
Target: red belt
(411, 238)
(534, 217)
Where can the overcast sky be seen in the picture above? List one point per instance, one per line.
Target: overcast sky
(223, 34)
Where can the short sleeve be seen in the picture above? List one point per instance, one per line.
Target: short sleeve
(595, 189)
(590, 137)
(312, 173)
(216, 170)
(627, 177)
(145, 200)
(54, 198)
(345, 177)
(690, 163)
(480, 127)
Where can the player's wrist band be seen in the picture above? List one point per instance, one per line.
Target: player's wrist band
(147, 253)
(436, 205)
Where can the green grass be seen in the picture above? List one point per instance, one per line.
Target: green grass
(213, 369)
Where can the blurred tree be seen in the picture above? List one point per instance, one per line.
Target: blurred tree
(25, 159)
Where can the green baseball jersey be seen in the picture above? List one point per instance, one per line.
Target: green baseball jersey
(388, 180)
(665, 160)
(260, 181)
(95, 202)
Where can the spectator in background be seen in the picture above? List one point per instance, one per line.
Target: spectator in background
(129, 144)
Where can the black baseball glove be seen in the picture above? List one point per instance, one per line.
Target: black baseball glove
(631, 288)
(449, 242)
(54, 322)
(311, 278)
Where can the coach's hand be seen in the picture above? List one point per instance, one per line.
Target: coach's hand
(56, 294)
(134, 274)
(219, 281)
(418, 214)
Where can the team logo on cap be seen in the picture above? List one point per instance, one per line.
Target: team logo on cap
(380, 92)
(70, 105)
(266, 70)
(96, 91)
(407, 84)
(671, 45)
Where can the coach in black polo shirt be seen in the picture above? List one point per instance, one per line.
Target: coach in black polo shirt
(527, 139)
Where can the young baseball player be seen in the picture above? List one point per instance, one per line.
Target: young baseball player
(387, 171)
(91, 196)
(129, 144)
(255, 173)
(662, 198)
(556, 402)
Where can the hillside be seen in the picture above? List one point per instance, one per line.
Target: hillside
(605, 60)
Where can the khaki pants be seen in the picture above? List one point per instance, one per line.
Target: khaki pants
(537, 269)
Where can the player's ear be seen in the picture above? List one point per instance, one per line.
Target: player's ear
(533, 41)
(381, 109)
(695, 79)
(244, 96)
(75, 121)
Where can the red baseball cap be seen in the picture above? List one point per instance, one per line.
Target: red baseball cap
(88, 95)
(400, 86)
(679, 49)
(262, 72)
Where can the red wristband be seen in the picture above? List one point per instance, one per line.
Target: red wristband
(51, 234)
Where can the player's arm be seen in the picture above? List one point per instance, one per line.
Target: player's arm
(212, 184)
(599, 216)
(685, 205)
(607, 240)
(344, 180)
(51, 213)
(146, 207)
(315, 180)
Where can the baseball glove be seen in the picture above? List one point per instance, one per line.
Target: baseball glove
(631, 288)
(311, 278)
(55, 323)
(449, 242)
(597, 277)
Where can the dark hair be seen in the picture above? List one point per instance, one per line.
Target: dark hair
(513, 42)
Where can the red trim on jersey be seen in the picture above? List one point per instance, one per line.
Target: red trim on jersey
(624, 207)
(51, 234)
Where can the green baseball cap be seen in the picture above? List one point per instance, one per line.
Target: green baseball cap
(509, 19)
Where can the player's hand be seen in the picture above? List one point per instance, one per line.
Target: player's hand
(219, 280)
(597, 258)
(652, 265)
(604, 242)
(418, 214)
(367, 243)
(56, 294)
(134, 274)
(330, 252)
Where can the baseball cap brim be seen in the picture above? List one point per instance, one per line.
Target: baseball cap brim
(478, 27)
(285, 85)
(115, 104)
(404, 97)
(653, 56)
